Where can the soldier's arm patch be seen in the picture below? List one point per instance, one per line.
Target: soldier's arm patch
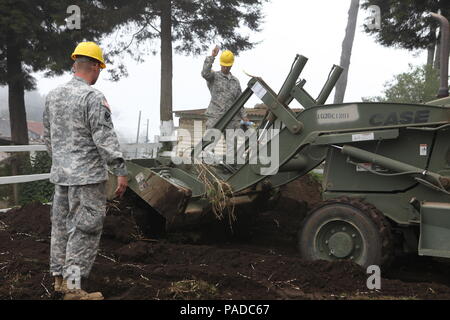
(105, 118)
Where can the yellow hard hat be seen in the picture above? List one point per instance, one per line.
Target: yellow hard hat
(89, 49)
(227, 58)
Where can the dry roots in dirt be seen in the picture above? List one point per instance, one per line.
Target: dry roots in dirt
(218, 192)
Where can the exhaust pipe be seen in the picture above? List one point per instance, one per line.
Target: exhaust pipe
(445, 29)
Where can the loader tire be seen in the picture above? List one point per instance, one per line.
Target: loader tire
(346, 229)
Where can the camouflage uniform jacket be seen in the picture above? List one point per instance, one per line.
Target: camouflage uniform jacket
(79, 135)
(225, 89)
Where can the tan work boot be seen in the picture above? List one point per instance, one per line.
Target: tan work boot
(78, 294)
(60, 285)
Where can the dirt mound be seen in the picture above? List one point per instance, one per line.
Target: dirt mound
(277, 227)
(304, 189)
(316, 274)
(122, 229)
(32, 219)
(23, 266)
(236, 273)
(130, 268)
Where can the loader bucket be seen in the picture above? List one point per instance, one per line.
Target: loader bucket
(166, 190)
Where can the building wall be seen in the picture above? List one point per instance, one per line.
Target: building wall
(190, 133)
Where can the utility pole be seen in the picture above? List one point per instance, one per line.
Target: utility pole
(138, 130)
(146, 137)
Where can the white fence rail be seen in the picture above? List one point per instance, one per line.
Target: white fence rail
(26, 148)
(131, 151)
(24, 178)
(147, 150)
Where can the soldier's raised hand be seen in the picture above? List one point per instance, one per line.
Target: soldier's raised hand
(215, 51)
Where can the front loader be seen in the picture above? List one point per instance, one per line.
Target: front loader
(386, 180)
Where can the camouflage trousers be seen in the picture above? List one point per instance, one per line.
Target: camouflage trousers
(77, 219)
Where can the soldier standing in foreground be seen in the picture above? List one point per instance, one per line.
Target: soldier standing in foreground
(224, 87)
(80, 138)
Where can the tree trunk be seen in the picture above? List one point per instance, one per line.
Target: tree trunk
(347, 46)
(17, 113)
(16, 91)
(166, 68)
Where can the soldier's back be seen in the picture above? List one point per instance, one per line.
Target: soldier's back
(75, 157)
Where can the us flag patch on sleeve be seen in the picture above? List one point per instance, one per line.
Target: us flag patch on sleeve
(106, 104)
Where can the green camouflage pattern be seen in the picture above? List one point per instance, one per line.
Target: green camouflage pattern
(77, 217)
(79, 135)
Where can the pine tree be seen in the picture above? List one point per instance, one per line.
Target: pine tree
(407, 24)
(35, 36)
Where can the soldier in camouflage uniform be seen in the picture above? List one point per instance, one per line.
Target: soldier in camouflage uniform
(80, 138)
(224, 87)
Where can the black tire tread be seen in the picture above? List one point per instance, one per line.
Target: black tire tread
(375, 215)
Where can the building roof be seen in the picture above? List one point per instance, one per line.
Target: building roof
(34, 127)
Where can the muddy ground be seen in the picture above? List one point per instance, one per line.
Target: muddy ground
(257, 262)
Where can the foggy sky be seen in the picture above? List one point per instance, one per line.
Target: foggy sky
(314, 29)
